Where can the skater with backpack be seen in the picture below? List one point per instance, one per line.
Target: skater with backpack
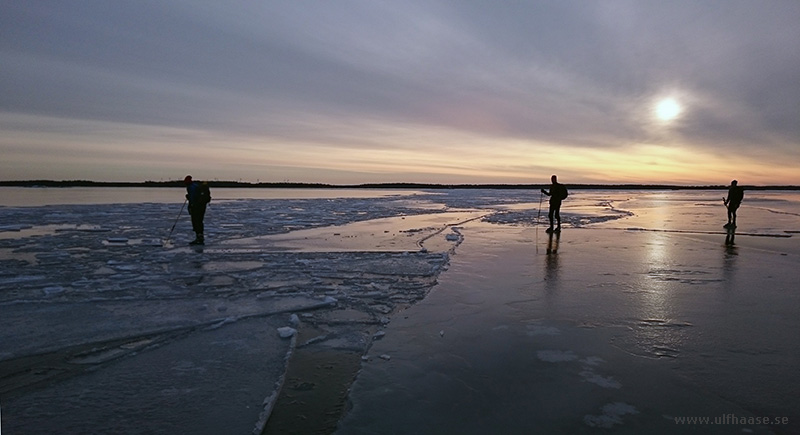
(198, 195)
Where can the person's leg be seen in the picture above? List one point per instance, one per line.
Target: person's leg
(193, 215)
(550, 215)
(733, 214)
(197, 213)
(200, 229)
(558, 214)
(201, 213)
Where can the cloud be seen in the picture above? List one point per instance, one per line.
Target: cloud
(364, 76)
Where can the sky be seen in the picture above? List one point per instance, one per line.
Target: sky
(364, 91)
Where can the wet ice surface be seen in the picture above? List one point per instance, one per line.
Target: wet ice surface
(97, 315)
(620, 327)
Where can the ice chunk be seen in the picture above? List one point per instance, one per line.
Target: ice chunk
(53, 290)
(380, 287)
(221, 323)
(286, 332)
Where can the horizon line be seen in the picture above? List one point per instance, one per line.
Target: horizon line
(393, 185)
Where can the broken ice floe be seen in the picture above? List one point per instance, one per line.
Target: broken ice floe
(221, 323)
(286, 332)
(138, 289)
(53, 290)
(532, 217)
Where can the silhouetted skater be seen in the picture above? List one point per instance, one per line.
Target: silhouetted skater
(199, 195)
(557, 194)
(732, 202)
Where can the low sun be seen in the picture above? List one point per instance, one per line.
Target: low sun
(668, 109)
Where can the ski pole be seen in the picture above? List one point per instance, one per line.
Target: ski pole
(176, 221)
(539, 213)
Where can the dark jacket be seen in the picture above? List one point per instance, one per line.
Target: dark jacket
(198, 194)
(735, 195)
(558, 192)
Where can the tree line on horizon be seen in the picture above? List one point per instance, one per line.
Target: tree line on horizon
(398, 185)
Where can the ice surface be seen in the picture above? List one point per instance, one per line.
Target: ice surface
(555, 356)
(93, 286)
(92, 294)
(598, 327)
(611, 416)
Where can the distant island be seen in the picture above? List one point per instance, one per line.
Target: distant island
(406, 186)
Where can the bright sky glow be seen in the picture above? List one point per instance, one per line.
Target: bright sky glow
(357, 91)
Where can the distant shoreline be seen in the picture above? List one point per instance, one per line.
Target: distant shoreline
(415, 186)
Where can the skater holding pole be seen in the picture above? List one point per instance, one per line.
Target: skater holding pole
(558, 192)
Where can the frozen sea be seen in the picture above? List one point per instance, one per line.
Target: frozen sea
(469, 317)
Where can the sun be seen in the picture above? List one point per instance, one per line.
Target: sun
(668, 109)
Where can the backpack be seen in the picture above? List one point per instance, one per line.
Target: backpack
(203, 193)
(562, 192)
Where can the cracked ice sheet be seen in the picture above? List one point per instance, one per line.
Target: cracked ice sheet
(49, 327)
(401, 233)
(65, 291)
(209, 382)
